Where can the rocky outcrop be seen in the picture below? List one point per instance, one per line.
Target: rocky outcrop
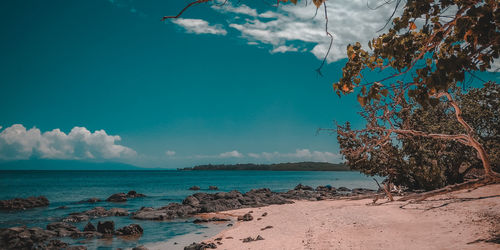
(122, 197)
(96, 212)
(139, 248)
(206, 203)
(22, 204)
(132, 229)
(24, 238)
(213, 188)
(134, 194)
(194, 188)
(63, 229)
(106, 227)
(223, 201)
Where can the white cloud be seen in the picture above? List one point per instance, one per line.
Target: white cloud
(349, 22)
(240, 9)
(231, 154)
(16, 142)
(170, 153)
(298, 155)
(283, 49)
(199, 26)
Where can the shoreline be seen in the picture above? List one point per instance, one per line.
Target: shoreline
(459, 220)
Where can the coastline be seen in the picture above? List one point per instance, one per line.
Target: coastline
(458, 220)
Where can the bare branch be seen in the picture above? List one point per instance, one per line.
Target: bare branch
(331, 41)
(185, 8)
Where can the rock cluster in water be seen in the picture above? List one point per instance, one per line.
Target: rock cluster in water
(206, 203)
(122, 197)
(96, 212)
(24, 203)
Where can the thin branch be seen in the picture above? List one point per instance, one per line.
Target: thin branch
(331, 41)
(185, 8)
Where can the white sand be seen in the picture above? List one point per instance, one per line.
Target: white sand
(351, 224)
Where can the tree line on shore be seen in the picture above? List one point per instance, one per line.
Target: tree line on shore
(295, 166)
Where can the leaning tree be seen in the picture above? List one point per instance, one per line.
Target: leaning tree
(434, 42)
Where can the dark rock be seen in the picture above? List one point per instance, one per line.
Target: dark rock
(213, 219)
(194, 188)
(246, 217)
(89, 228)
(343, 189)
(62, 207)
(267, 227)
(250, 239)
(264, 214)
(303, 187)
(132, 229)
(134, 194)
(201, 246)
(96, 212)
(229, 225)
(119, 197)
(21, 203)
(191, 201)
(91, 200)
(139, 248)
(106, 228)
(213, 188)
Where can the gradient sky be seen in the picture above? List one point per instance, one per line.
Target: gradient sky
(213, 90)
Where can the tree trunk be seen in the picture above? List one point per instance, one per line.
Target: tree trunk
(488, 172)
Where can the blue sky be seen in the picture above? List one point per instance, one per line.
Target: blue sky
(107, 81)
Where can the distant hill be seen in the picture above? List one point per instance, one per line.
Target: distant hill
(65, 165)
(298, 166)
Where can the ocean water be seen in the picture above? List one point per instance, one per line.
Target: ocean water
(66, 188)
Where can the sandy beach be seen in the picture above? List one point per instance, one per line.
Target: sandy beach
(459, 220)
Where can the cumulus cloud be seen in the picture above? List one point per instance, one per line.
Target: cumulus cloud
(283, 49)
(199, 26)
(17, 142)
(240, 9)
(349, 21)
(299, 154)
(231, 154)
(170, 153)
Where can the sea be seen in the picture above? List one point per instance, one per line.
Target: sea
(67, 188)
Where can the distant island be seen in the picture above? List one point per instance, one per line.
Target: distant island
(297, 166)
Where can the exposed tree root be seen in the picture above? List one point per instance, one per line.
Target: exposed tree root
(490, 179)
